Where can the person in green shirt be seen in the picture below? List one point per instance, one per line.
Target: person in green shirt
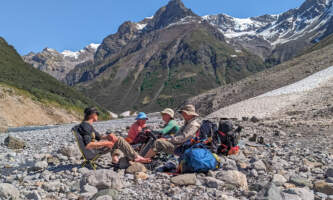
(171, 127)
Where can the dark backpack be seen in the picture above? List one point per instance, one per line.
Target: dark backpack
(206, 132)
(226, 139)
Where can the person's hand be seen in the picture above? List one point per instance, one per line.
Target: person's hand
(109, 144)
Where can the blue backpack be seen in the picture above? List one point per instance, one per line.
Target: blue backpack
(197, 159)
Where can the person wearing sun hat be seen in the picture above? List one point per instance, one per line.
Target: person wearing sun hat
(188, 131)
(171, 127)
(137, 127)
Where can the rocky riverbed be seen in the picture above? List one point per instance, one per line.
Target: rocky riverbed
(295, 162)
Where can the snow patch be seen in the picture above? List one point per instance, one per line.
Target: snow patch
(71, 54)
(140, 26)
(311, 82)
(94, 46)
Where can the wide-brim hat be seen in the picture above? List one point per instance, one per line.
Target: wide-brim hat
(189, 110)
(169, 111)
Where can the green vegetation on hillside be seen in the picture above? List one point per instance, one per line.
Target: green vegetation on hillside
(43, 88)
(185, 62)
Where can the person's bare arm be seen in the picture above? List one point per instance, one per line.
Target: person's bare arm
(95, 145)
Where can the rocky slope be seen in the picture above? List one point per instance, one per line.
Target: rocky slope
(23, 86)
(278, 38)
(59, 64)
(274, 78)
(173, 56)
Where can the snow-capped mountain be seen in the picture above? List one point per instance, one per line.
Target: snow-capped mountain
(58, 64)
(298, 27)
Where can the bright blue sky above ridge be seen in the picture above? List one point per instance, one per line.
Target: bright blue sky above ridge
(73, 24)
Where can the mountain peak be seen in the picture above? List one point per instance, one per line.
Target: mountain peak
(171, 13)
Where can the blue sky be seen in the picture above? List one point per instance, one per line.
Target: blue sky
(72, 24)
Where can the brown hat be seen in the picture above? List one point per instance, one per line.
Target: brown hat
(189, 109)
(169, 112)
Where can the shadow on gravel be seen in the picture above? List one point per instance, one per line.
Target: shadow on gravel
(61, 168)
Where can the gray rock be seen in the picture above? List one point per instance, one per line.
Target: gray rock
(212, 182)
(89, 189)
(39, 166)
(102, 179)
(136, 167)
(8, 191)
(14, 143)
(33, 196)
(273, 192)
(102, 194)
(233, 177)
(299, 181)
(279, 180)
(71, 151)
(184, 179)
(303, 193)
(259, 165)
(52, 186)
(105, 197)
(329, 172)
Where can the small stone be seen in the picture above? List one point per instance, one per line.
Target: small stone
(279, 180)
(136, 167)
(184, 179)
(14, 143)
(141, 175)
(254, 119)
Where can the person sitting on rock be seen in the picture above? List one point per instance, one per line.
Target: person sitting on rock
(187, 132)
(171, 127)
(100, 143)
(136, 128)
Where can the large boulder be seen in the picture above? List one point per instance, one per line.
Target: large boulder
(8, 191)
(14, 143)
(184, 179)
(233, 177)
(102, 179)
(71, 151)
